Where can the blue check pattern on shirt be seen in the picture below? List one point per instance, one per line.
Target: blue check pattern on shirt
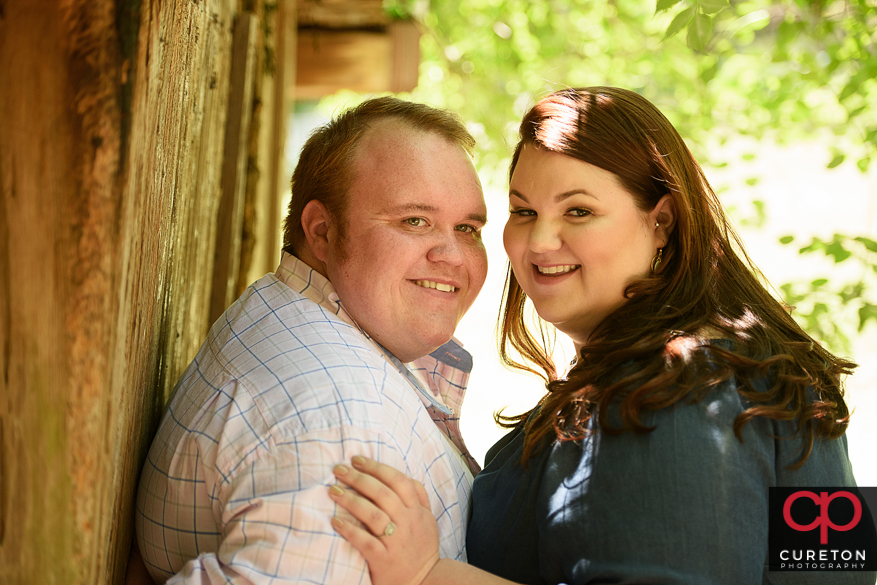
(234, 489)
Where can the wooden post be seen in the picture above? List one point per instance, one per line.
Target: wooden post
(112, 124)
(267, 179)
(227, 253)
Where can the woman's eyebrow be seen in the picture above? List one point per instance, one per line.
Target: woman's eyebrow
(518, 195)
(558, 198)
(567, 194)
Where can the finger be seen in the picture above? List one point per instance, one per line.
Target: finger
(370, 547)
(422, 496)
(398, 482)
(360, 508)
(369, 487)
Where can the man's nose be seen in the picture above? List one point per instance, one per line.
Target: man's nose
(447, 249)
(544, 237)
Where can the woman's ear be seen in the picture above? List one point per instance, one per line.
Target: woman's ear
(315, 221)
(663, 217)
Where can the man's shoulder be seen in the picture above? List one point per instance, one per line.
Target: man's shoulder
(273, 324)
(296, 361)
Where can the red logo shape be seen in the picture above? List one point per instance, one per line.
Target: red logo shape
(822, 521)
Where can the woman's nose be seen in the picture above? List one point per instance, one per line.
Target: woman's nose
(544, 237)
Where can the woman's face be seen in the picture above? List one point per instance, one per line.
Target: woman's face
(576, 239)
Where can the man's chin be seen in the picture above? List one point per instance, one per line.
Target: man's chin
(422, 346)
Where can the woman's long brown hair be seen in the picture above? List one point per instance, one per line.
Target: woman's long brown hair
(651, 352)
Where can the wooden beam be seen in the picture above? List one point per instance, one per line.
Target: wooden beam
(266, 180)
(405, 42)
(341, 13)
(365, 61)
(229, 225)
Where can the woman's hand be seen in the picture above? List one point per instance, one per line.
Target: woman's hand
(400, 539)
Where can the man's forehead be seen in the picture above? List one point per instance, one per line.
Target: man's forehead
(390, 133)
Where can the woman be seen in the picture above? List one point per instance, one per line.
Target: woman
(693, 391)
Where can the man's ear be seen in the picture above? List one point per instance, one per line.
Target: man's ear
(315, 221)
(664, 215)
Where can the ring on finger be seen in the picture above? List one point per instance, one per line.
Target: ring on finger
(389, 530)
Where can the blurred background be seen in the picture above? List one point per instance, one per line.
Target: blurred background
(775, 99)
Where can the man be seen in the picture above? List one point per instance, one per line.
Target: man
(328, 358)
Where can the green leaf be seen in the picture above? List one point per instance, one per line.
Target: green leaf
(836, 161)
(837, 250)
(856, 112)
(867, 313)
(819, 282)
(713, 6)
(709, 73)
(752, 181)
(680, 21)
(863, 163)
(699, 32)
(665, 5)
(816, 244)
(851, 88)
(787, 239)
(869, 244)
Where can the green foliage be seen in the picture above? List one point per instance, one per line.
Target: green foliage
(825, 308)
(785, 70)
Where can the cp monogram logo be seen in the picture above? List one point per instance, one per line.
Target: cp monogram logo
(822, 521)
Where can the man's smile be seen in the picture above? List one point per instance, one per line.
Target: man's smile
(440, 286)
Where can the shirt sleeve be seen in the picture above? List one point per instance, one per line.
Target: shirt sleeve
(686, 503)
(275, 514)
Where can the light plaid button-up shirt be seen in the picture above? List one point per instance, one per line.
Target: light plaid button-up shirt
(234, 489)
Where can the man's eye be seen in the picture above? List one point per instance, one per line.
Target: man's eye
(465, 228)
(415, 221)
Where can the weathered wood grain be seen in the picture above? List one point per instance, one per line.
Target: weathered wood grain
(230, 222)
(112, 121)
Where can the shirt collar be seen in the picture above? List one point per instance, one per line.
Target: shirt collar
(311, 284)
(446, 370)
(445, 398)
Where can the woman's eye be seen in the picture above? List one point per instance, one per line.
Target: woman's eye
(579, 212)
(415, 221)
(520, 212)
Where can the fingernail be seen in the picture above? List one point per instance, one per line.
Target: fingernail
(341, 469)
(336, 491)
(358, 461)
(337, 522)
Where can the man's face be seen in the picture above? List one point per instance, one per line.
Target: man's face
(411, 261)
